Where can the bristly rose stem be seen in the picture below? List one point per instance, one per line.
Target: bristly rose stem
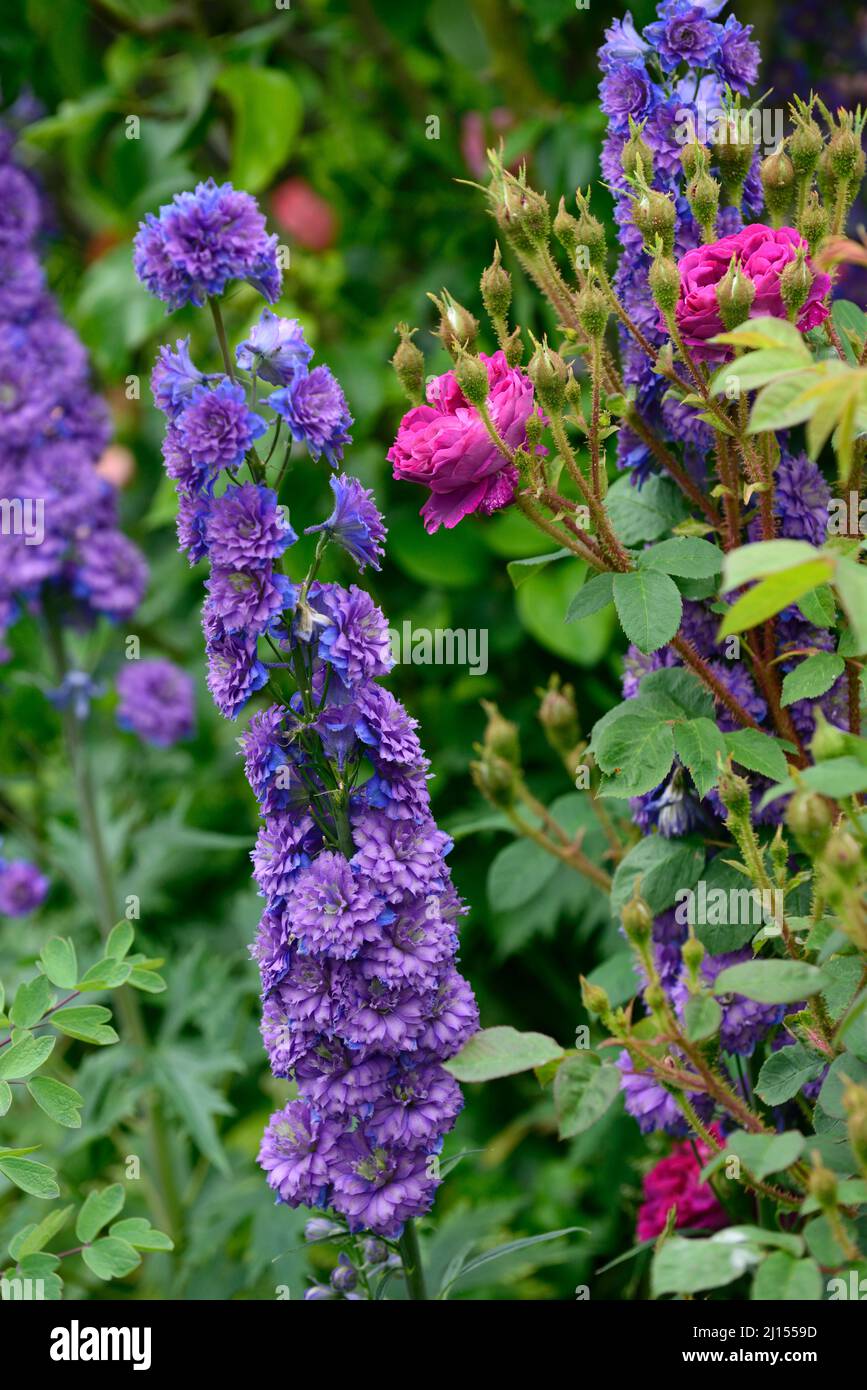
(412, 1265)
(170, 1212)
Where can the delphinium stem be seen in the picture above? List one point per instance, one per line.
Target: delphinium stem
(412, 1265)
(165, 1192)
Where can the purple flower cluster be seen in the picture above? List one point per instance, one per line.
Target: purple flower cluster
(23, 887)
(59, 532)
(156, 701)
(362, 1002)
(201, 241)
(669, 78)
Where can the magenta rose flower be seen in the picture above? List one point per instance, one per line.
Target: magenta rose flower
(763, 252)
(674, 1182)
(444, 445)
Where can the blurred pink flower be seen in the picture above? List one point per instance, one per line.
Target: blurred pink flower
(673, 1182)
(445, 446)
(306, 216)
(763, 252)
(116, 465)
(479, 133)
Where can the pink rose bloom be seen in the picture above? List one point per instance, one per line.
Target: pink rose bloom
(764, 252)
(673, 1182)
(444, 445)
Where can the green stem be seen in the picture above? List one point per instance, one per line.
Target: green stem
(412, 1266)
(168, 1200)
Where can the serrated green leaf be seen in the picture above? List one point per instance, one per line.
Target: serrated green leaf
(595, 594)
(636, 753)
(758, 752)
(689, 557)
(756, 369)
(649, 607)
(700, 746)
(773, 594)
(786, 1072)
(763, 333)
(645, 513)
(782, 1278)
(584, 1090)
(812, 677)
(763, 558)
(5, 1097)
(771, 981)
(664, 867)
(851, 586)
(702, 1016)
(764, 1154)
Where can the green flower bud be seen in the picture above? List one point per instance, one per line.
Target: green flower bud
(664, 279)
(843, 152)
(637, 156)
(549, 374)
(523, 213)
(813, 223)
(471, 374)
(734, 792)
(558, 715)
(733, 148)
(654, 998)
(501, 735)
(692, 953)
(408, 363)
(594, 998)
(637, 920)
(514, 348)
(589, 232)
(828, 741)
(458, 328)
(796, 282)
(843, 856)
(694, 158)
(822, 1184)
(593, 311)
(778, 181)
(702, 194)
(654, 216)
(495, 778)
(565, 229)
(805, 146)
(496, 286)
(808, 816)
(734, 295)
